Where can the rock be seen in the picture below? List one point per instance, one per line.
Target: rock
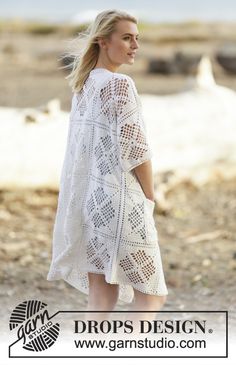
(26, 260)
(227, 62)
(186, 63)
(206, 262)
(161, 65)
(196, 278)
(173, 265)
(13, 250)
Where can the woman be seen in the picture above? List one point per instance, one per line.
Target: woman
(105, 242)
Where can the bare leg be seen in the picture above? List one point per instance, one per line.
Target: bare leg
(144, 302)
(102, 296)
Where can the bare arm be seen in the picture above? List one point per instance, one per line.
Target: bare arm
(145, 176)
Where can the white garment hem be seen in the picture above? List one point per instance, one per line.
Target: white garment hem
(60, 276)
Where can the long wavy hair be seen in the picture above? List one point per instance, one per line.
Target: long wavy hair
(84, 49)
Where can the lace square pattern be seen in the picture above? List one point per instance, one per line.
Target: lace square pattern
(104, 223)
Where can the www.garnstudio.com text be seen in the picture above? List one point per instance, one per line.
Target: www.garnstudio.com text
(146, 343)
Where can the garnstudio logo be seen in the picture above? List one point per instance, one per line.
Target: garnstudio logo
(34, 325)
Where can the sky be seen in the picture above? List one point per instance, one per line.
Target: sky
(153, 11)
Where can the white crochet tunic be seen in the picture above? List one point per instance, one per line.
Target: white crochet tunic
(104, 223)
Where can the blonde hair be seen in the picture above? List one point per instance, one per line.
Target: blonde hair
(85, 47)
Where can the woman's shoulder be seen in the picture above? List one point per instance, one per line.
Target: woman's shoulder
(124, 81)
(122, 76)
(118, 85)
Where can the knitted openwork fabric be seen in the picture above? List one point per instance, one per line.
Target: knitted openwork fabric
(104, 223)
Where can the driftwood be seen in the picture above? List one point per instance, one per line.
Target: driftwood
(208, 236)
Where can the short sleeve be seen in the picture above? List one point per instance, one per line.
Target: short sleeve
(132, 140)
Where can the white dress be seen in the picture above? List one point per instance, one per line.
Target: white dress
(104, 223)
